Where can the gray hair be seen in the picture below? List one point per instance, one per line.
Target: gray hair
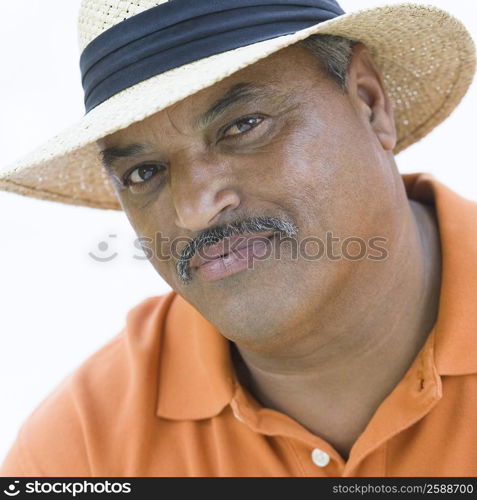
(333, 54)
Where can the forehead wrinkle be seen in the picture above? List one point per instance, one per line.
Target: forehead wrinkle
(239, 93)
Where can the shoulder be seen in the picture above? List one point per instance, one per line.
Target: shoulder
(92, 403)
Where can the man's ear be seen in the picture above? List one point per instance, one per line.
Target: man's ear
(367, 92)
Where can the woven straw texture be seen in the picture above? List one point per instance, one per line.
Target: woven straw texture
(426, 56)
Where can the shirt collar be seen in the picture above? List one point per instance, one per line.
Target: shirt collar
(196, 378)
(456, 325)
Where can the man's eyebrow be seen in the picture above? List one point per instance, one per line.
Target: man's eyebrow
(241, 92)
(110, 155)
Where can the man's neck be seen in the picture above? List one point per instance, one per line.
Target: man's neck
(336, 389)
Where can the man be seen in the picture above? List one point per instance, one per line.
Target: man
(230, 143)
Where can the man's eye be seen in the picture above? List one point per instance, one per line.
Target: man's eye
(243, 125)
(141, 174)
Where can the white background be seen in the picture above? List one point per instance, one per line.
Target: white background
(57, 304)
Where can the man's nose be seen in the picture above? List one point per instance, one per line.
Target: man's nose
(202, 192)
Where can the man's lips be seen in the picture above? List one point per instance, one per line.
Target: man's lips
(225, 246)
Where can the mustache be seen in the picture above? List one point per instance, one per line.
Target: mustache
(213, 235)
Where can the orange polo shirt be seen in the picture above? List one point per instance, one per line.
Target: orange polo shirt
(162, 399)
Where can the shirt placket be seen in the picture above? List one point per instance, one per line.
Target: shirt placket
(415, 395)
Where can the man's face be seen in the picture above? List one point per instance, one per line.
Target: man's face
(277, 147)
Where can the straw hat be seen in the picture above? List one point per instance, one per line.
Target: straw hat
(426, 56)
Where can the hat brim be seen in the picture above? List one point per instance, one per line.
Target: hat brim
(426, 56)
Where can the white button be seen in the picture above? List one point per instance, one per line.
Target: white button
(320, 458)
(235, 411)
(237, 415)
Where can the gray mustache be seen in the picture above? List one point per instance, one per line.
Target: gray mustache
(211, 236)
